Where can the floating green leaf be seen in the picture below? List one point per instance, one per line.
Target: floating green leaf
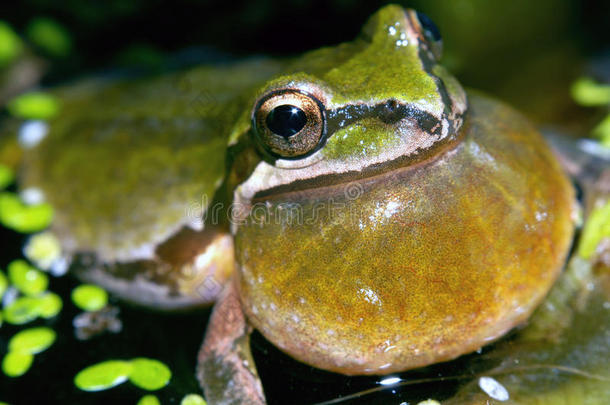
(89, 297)
(103, 375)
(597, 228)
(26, 278)
(193, 399)
(23, 218)
(49, 305)
(10, 44)
(145, 373)
(32, 341)
(26, 309)
(22, 310)
(602, 131)
(42, 249)
(16, 364)
(6, 174)
(585, 91)
(35, 105)
(50, 36)
(149, 374)
(3, 284)
(149, 400)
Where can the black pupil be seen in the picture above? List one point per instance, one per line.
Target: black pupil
(286, 120)
(429, 26)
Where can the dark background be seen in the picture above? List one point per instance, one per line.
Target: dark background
(526, 52)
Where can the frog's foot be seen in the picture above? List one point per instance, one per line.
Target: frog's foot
(226, 369)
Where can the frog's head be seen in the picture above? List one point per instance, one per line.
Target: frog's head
(358, 107)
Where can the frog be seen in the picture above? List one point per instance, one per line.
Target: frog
(355, 205)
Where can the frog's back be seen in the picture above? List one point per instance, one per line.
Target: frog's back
(127, 165)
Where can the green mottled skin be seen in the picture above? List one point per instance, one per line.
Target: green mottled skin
(358, 78)
(355, 142)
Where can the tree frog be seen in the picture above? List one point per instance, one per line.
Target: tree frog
(355, 205)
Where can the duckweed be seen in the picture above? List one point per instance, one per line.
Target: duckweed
(597, 228)
(26, 278)
(602, 131)
(43, 249)
(89, 297)
(3, 284)
(23, 346)
(26, 309)
(149, 374)
(22, 310)
(587, 92)
(49, 305)
(6, 176)
(16, 364)
(32, 341)
(149, 400)
(103, 375)
(14, 214)
(193, 399)
(50, 36)
(10, 44)
(34, 105)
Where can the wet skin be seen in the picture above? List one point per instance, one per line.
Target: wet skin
(383, 219)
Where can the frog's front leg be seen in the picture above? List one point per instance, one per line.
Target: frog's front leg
(225, 368)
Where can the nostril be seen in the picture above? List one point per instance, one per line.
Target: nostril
(391, 105)
(391, 111)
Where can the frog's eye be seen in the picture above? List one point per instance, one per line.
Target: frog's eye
(431, 33)
(289, 123)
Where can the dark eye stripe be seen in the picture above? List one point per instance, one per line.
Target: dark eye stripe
(389, 112)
